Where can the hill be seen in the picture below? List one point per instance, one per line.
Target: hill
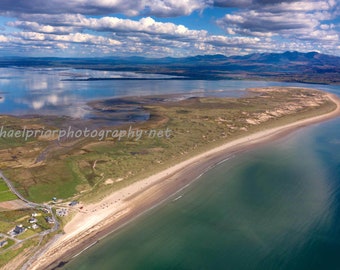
(311, 67)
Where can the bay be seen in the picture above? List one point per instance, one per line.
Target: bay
(47, 91)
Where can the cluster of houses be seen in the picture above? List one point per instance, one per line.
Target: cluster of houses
(33, 220)
(19, 229)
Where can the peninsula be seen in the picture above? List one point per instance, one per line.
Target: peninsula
(104, 183)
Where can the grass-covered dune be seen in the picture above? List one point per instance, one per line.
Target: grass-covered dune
(88, 168)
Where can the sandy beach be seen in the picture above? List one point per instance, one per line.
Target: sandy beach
(97, 220)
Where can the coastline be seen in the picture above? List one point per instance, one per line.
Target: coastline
(99, 219)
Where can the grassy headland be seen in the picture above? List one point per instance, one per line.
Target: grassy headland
(91, 169)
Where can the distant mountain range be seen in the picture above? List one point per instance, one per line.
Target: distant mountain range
(309, 67)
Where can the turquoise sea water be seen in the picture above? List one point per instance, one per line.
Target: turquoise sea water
(275, 207)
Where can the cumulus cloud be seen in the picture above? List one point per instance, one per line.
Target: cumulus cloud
(166, 8)
(144, 25)
(298, 6)
(291, 19)
(72, 38)
(37, 27)
(3, 39)
(115, 25)
(90, 27)
(161, 8)
(71, 6)
(256, 22)
(111, 34)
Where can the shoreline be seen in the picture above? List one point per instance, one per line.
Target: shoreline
(100, 219)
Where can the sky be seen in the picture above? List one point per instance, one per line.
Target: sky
(160, 28)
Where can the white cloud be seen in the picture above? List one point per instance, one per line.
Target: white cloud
(290, 20)
(3, 38)
(36, 27)
(161, 8)
(253, 22)
(105, 24)
(72, 37)
(257, 25)
(298, 6)
(37, 105)
(166, 8)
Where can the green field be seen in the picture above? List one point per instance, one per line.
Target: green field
(9, 244)
(5, 193)
(26, 249)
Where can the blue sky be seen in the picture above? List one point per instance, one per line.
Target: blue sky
(158, 28)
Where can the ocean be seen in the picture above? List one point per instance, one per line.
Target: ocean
(274, 207)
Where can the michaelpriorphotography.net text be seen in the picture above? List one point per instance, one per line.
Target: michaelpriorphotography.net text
(70, 133)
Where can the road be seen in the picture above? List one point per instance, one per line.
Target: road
(13, 189)
(32, 204)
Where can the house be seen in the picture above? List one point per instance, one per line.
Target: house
(34, 214)
(17, 230)
(35, 226)
(32, 220)
(3, 243)
(49, 220)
